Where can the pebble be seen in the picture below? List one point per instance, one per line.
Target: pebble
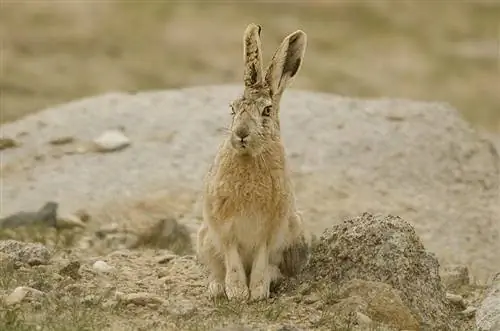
(69, 221)
(71, 269)
(311, 298)
(62, 140)
(20, 293)
(141, 299)
(110, 141)
(363, 319)
(469, 311)
(455, 299)
(102, 267)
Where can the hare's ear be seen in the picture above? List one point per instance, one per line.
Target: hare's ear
(252, 55)
(286, 62)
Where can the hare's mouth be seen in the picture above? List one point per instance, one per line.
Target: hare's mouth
(241, 145)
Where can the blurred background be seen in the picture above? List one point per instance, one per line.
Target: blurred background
(437, 50)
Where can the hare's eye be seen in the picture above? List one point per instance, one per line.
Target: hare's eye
(266, 111)
(233, 112)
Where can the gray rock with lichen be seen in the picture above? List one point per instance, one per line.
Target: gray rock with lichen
(488, 314)
(28, 253)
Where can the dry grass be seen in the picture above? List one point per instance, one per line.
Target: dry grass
(55, 51)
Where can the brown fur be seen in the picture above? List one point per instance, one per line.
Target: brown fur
(251, 232)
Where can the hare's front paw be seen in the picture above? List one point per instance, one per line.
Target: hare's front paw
(216, 289)
(236, 291)
(259, 291)
(260, 282)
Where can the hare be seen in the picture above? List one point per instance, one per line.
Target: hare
(252, 233)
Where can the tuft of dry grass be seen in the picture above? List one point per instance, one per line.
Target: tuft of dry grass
(55, 51)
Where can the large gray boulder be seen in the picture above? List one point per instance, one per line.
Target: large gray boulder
(418, 160)
(488, 314)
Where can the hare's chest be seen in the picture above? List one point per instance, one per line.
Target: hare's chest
(247, 194)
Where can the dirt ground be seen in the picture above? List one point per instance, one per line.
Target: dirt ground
(56, 51)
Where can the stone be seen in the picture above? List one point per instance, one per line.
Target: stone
(469, 311)
(28, 253)
(141, 299)
(20, 293)
(455, 299)
(488, 312)
(111, 141)
(71, 269)
(363, 320)
(69, 221)
(63, 140)
(311, 298)
(102, 267)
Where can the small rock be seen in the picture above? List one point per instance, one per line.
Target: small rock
(102, 267)
(69, 221)
(90, 299)
(71, 270)
(304, 289)
(363, 319)
(488, 313)
(110, 141)
(29, 253)
(20, 293)
(455, 299)
(62, 140)
(6, 143)
(141, 299)
(469, 311)
(311, 298)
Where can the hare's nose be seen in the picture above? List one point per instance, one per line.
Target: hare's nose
(242, 133)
